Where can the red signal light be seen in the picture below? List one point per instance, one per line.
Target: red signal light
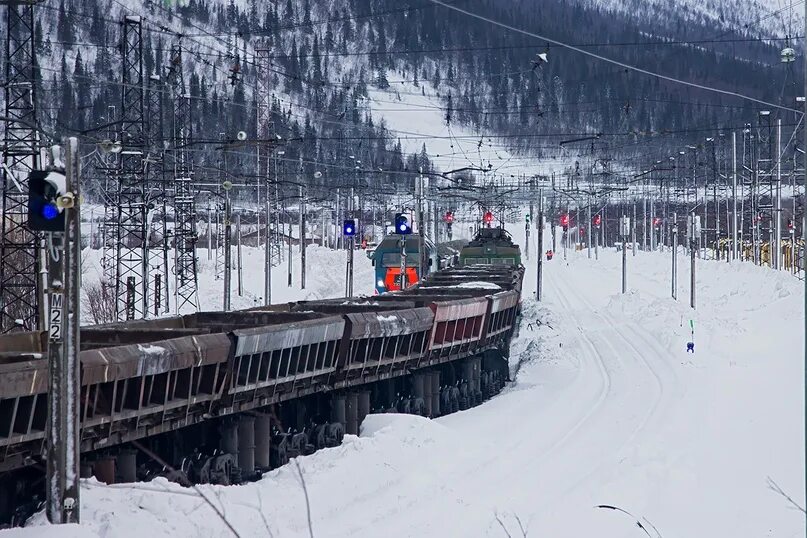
(597, 220)
(488, 217)
(449, 218)
(656, 222)
(564, 220)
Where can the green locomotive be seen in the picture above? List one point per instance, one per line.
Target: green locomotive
(491, 246)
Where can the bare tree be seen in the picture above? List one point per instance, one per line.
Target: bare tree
(99, 301)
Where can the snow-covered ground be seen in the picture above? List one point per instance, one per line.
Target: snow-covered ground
(607, 408)
(325, 277)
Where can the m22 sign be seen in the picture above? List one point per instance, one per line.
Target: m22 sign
(56, 316)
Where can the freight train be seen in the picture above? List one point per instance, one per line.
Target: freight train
(219, 397)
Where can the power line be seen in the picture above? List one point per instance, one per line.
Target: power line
(610, 60)
(671, 42)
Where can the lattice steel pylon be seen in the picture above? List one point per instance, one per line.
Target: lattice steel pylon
(764, 187)
(266, 127)
(794, 227)
(131, 282)
(20, 288)
(185, 285)
(105, 166)
(156, 200)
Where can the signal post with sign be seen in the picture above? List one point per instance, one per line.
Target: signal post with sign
(403, 229)
(53, 210)
(596, 223)
(349, 233)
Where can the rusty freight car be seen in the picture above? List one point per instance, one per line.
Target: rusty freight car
(224, 396)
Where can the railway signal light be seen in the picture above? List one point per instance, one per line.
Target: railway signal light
(402, 226)
(564, 221)
(656, 222)
(349, 228)
(790, 225)
(47, 200)
(449, 217)
(487, 217)
(597, 220)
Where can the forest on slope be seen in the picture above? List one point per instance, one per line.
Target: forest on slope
(323, 57)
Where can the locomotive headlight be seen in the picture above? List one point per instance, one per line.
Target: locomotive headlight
(380, 283)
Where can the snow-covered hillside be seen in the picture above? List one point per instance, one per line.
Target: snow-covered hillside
(765, 18)
(607, 408)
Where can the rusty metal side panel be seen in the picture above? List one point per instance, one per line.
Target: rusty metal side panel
(229, 321)
(503, 300)
(93, 337)
(171, 322)
(26, 342)
(288, 335)
(124, 362)
(460, 309)
(396, 323)
(23, 378)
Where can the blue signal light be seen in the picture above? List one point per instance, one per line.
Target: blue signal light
(50, 211)
(402, 225)
(349, 228)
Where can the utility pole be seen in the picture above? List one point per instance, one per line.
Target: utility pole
(776, 248)
(674, 277)
(351, 247)
(633, 229)
(804, 236)
(693, 233)
(337, 234)
(209, 231)
(589, 225)
(64, 252)
(289, 280)
(625, 230)
(403, 262)
(421, 224)
(734, 244)
(716, 176)
(652, 219)
(302, 237)
(227, 257)
(597, 241)
(645, 217)
(238, 254)
(540, 257)
(527, 232)
(267, 278)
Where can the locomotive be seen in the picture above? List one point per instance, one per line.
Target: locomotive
(387, 262)
(491, 246)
